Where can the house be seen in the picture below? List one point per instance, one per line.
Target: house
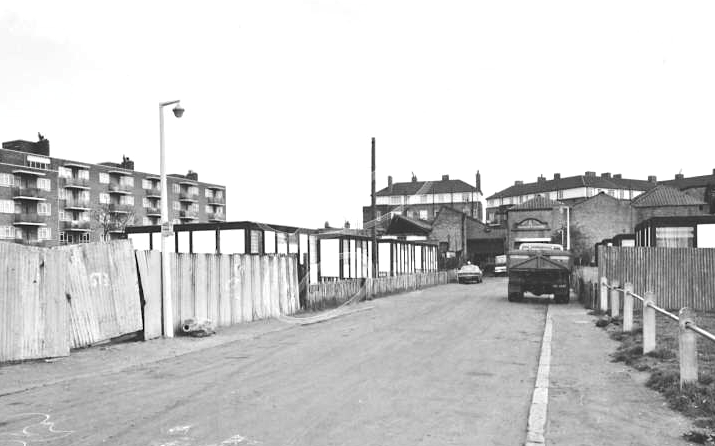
(421, 200)
(567, 190)
(48, 201)
(699, 187)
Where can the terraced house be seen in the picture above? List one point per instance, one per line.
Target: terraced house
(49, 201)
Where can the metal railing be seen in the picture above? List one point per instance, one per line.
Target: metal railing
(688, 356)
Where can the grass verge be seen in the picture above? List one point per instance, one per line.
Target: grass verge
(696, 401)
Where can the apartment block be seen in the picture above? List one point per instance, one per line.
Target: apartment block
(49, 201)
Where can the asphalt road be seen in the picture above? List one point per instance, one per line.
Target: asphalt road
(454, 364)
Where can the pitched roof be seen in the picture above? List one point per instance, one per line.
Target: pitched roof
(572, 183)
(406, 225)
(427, 187)
(687, 183)
(538, 202)
(662, 195)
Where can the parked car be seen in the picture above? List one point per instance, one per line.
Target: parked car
(469, 274)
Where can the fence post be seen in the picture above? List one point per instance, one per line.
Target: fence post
(628, 307)
(688, 348)
(603, 301)
(648, 323)
(615, 299)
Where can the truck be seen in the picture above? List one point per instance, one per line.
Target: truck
(500, 265)
(539, 268)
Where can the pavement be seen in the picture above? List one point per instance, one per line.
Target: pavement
(591, 400)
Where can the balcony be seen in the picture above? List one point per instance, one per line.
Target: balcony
(29, 193)
(213, 216)
(217, 200)
(188, 215)
(153, 192)
(185, 196)
(76, 225)
(120, 208)
(123, 189)
(75, 183)
(77, 203)
(152, 212)
(30, 220)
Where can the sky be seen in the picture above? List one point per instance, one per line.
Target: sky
(282, 98)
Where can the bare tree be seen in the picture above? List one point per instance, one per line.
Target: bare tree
(108, 220)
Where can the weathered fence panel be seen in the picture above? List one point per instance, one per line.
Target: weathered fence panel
(680, 277)
(227, 289)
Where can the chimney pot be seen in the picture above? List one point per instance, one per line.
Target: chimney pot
(540, 179)
(679, 176)
(557, 176)
(445, 177)
(652, 179)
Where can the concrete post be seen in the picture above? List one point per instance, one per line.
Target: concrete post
(687, 343)
(603, 301)
(648, 323)
(615, 299)
(628, 307)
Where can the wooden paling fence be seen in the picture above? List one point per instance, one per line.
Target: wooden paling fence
(681, 277)
(52, 300)
(224, 288)
(327, 294)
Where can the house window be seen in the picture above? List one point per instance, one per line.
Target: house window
(62, 237)
(621, 194)
(44, 184)
(83, 174)
(84, 237)
(44, 233)
(395, 199)
(560, 194)
(177, 206)
(209, 209)
(194, 207)
(7, 232)
(675, 237)
(103, 177)
(146, 184)
(43, 208)
(176, 188)
(7, 180)
(423, 214)
(64, 172)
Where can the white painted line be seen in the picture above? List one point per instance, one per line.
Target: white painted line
(540, 400)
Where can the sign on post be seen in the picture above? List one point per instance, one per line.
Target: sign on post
(167, 229)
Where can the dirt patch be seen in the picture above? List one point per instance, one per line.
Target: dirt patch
(697, 400)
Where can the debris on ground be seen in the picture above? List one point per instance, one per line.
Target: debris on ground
(198, 328)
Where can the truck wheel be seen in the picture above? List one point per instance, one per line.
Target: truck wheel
(515, 297)
(562, 298)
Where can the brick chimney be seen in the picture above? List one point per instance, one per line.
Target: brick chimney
(606, 175)
(652, 179)
(127, 163)
(191, 175)
(518, 183)
(590, 174)
(617, 176)
(557, 176)
(540, 179)
(414, 178)
(479, 182)
(445, 177)
(679, 176)
(389, 183)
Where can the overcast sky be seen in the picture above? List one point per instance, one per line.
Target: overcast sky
(282, 97)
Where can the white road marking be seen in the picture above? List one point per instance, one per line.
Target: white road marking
(540, 399)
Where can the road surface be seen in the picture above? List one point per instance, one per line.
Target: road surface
(453, 364)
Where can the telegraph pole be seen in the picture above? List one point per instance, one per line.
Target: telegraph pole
(374, 215)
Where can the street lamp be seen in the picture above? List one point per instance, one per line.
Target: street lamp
(166, 228)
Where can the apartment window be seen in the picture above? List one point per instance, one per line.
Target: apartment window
(104, 198)
(84, 237)
(62, 237)
(176, 188)
(219, 210)
(218, 194)
(126, 181)
(177, 206)
(44, 184)
(127, 200)
(7, 180)
(103, 177)
(64, 172)
(84, 195)
(83, 174)
(44, 233)
(193, 190)
(146, 203)
(18, 233)
(194, 207)
(84, 216)
(209, 209)
(146, 184)
(208, 193)
(38, 162)
(7, 206)
(423, 214)
(7, 232)
(43, 208)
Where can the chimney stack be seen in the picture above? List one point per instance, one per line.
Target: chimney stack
(652, 179)
(590, 173)
(389, 183)
(445, 177)
(606, 175)
(540, 179)
(557, 176)
(679, 176)
(479, 182)
(617, 176)
(414, 178)
(518, 183)
(192, 175)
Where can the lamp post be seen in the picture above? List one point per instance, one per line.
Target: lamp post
(166, 228)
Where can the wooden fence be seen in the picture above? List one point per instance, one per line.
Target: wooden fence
(52, 300)
(226, 289)
(326, 294)
(681, 277)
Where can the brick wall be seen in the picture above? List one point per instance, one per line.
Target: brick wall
(551, 217)
(598, 218)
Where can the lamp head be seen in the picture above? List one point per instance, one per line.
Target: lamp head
(178, 111)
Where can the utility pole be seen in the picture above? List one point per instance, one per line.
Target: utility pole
(374, 215)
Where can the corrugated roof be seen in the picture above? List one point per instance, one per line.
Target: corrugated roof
(662, 195)
(572, 183)
(538, 202)
(427, 187)
(687, 183)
